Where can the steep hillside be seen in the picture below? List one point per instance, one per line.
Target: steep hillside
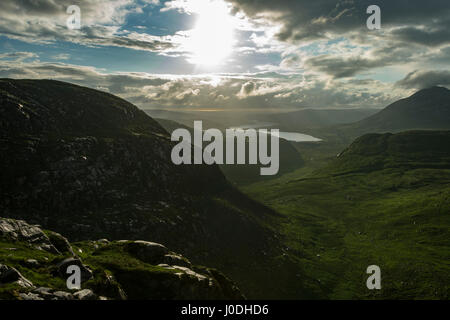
(385, 201)
(90, 165)
(290, 159)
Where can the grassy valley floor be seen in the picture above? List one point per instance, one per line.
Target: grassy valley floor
(336, 225)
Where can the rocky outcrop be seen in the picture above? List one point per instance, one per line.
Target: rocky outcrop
(18, 230)
(109, 269)
(44, 293)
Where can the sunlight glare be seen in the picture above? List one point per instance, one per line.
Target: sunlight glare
(211, 41)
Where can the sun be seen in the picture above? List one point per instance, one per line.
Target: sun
(212, 39)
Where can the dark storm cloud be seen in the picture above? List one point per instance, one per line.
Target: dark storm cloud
(341, 66)
(305, 19)
(425, 79)
(434, 37)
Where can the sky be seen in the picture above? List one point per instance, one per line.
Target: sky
(232, 54)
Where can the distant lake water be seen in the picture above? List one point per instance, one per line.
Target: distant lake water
(297, 137)
(289, 136)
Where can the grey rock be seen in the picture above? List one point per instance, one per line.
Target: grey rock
(32, 263)
(24, 282)
(174, 259)
(85, 294)
(30, 296)
(44, 292)
(61, 243)
(189, 272)
(18, 230)
(62, 295)
(103, 241)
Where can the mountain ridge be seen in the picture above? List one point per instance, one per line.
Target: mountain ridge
(427, 109)
(62, 169)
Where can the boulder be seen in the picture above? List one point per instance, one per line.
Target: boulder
(61, 243)
(148, 252)
(176, 260)
(30, 296)
(62, 295)
(85, 294)
(86, 273)
(18, 230)
(31, 263)
(189, 272)
(44, 292)
(103, 241)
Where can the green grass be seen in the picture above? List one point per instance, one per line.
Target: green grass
(135, 276)
(335, 226)
(14, 254)
(115, 271)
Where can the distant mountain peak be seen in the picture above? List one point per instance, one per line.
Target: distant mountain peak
(432, 90)
(427, 109)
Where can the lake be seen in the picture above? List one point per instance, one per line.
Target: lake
(289, 136)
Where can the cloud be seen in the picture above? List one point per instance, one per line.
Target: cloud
(302, 20)
(61, 56)
(18, 56)
(425, 79)
(424, 36)
(227, 91)
(247, 89)
(331, 37)
(353, 61)
(44, 21)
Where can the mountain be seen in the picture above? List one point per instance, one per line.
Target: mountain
(90, 165)
(426, 109)
(109, 269)
(290, 159)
